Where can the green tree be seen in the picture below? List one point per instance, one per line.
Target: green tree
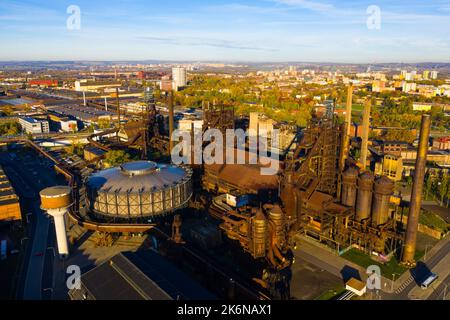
(428, 186)
(10, 128)
(104, 123)
(443, 187)
(115, 158)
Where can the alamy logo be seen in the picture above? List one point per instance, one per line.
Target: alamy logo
(374, 18)
(374, 279)
(73, 22)
(232, 151)
(74, 279)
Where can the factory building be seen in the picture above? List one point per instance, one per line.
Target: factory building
(186, 124)
(85, 116)
(45, 83)
(96, 86)
(260, 123)
(62, 124)
(390, 166)
(442, 143)
(140, 275)
(9, 201)
(31, 125)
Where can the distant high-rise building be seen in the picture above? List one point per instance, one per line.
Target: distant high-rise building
(426, 75)
(179, 77)
(434, 75)
(403, 74)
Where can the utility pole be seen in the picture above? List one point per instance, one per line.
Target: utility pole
(170, 121)
(118, 106)
(392, 283)
(445, 292)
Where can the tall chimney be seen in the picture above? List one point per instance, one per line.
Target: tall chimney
(348, 109)
(170, 121)
(106, 104)
(118, 106)
(347, 126)
(416, 194)
(84, 98)
(365, 133)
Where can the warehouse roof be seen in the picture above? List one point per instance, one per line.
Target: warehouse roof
(140, 275)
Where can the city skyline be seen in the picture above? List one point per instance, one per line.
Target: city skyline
(260, 31)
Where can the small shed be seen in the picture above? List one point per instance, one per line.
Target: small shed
(356, 286)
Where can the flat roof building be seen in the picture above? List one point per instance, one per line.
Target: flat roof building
(31, 125)
(9, 201)
(140, 275)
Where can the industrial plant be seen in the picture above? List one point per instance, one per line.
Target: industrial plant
(320, 192)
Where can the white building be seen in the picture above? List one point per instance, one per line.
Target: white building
(30, 125)
(409, 87)
(186, 124)
(69, 126)
(434, 75)
(179, 77)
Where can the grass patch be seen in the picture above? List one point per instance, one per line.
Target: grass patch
(364, 261)
(433, 221)
(331, 294)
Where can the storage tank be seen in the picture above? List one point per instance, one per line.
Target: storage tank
(383, 190)
(139, 189)
(364, 199)
(276, 216)
(259, 234)
(349, 178)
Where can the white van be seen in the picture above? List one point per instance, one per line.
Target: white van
(428, 281)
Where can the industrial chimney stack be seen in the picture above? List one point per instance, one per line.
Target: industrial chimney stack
(346, 129)
(365, 133)
(416, 194)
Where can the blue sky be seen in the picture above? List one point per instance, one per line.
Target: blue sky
(235, 30)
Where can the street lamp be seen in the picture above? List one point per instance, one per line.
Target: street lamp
(392, 283)
(445, 292)
(28, 216)
(21, 240)
(426, 249)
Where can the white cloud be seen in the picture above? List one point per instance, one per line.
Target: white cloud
(307, 4)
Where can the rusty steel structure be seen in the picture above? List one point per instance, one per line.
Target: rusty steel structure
(346, 129)
(262, 232)
(416, 195)
(221, 118)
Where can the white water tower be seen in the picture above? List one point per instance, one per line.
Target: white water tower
(56, 201)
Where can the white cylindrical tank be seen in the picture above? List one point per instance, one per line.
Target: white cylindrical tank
(60, 229)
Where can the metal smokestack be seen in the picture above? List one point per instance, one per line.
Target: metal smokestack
(416, 194)
(118, 106)
(365, 133)
(106, 104)
(170, 120)
(347, 126)
(84, 98)
(348, 109)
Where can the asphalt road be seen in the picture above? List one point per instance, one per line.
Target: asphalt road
(325, 262)
(32, 174)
